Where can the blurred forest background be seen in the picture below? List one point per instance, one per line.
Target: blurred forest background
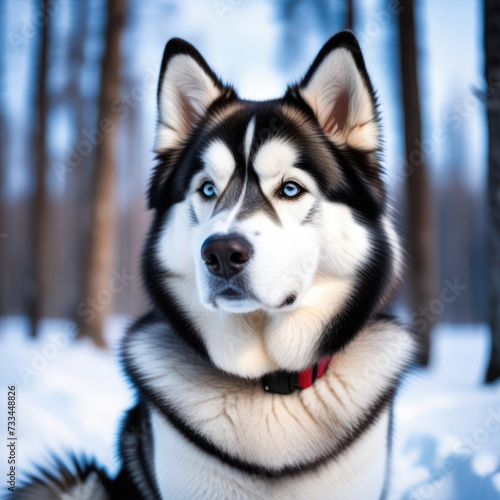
(77, 119)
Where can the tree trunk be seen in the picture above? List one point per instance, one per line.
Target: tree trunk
(97, 296)
(350, 15)
(79, 175)
(3, 143)
(40, 208)
(421, 233)
(492, 69)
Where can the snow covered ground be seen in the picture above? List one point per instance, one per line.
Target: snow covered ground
(71, 396)
(447, 439)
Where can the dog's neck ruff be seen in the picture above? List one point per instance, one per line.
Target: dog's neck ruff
(240, 423)
(282, 382)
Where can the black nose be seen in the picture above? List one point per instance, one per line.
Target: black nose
(226, 255)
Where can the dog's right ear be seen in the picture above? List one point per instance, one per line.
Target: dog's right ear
(186, 88)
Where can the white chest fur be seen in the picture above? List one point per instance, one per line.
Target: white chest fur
(340, 423)
(184, 471)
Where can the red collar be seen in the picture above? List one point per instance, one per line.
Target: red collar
(282, 382)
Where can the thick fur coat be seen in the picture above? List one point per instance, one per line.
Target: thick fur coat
(271, 249)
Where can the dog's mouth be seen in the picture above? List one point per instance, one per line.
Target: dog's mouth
(233, 300)
(235, 296)
(232, 294)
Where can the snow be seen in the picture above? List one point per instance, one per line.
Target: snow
(71, 396)
(447, 424)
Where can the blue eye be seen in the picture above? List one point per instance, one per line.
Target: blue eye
(208, 190)
(291, 190)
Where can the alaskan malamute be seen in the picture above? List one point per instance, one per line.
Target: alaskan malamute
(267, 368)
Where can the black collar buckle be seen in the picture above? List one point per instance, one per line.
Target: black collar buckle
(280, 382)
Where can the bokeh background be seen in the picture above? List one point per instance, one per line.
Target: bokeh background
(77, 123)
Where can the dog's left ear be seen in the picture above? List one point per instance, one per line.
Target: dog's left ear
(186, 89)
(339, 92)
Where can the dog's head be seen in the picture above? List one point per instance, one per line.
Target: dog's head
(270, 245)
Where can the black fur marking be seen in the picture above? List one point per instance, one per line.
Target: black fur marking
(289, 300)
(231, 194)
(136, 450)
(317, 154)
(343, 175)
(154, 277)
(64, 476)
(315, 372)
(364, 189)
(255, 200)
(192, 216)
(389, 445)
(309, 218)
